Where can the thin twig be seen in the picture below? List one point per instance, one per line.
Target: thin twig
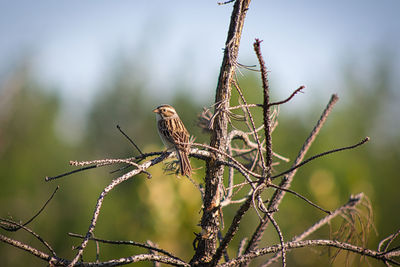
(102, 163)
(49, 178)
(298, 90)
(253, 126)
(34, 216)
(231, 158)
(130, 140)
(299, 196)
(226, 2)
(366, 139)
(245, 106)
(123, 242)
(278, 230)
(289, 98)
(385, 243)
(241, 246)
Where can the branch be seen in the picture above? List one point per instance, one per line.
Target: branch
(38, 237)
(267, 121)
(286, 181)
(385, 243)
(289, 98)
(32, 250)
(129, 139)
(56, 261)
(313, 243)
(19, 226)
(299, 196)
(115, 182)
(131, 243)
(366, 139)
(207, 241)
(259, 147)
(350, 205)
(101, 163)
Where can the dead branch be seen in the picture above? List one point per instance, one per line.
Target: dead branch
(366, 139)
(56, 261)
(130, 243)
(115, 182)
(350, 205)
(253, 126)
(298, 90)
(13, 226)
(129, 139)
(313, 243)
(286, 181)
(207, 241)
(266, 117)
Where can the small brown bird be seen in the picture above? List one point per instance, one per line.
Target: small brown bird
(174, 135)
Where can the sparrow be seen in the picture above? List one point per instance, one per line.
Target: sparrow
(174, 135)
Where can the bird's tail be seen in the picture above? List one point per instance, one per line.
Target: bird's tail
(184, 162)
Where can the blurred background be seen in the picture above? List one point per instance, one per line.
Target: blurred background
(70, 71)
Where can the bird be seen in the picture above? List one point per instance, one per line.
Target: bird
(174, 136)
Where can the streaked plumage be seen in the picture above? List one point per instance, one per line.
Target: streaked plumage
(174, 135)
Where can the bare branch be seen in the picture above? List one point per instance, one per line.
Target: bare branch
(278, 230)
(312, 243)
(49, 178)
(101, 163)
(207, 241)
(130, 243)
(267, 121)
(350, 205)
(299, 196)
(286, 181)
(56, 261)
(241, 246)
(259, 147)
(130, 140)
(298, 90)
(289, 98)
(104, 193)
(366, 139)
(385, 243)
(17, 226)
(32, 250)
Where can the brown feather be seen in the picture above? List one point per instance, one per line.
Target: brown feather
(174, 135)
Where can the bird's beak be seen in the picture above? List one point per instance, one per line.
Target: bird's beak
(155, 110)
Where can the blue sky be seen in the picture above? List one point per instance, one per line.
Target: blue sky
(305, 42)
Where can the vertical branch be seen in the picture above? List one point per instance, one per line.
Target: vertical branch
(266, 171)
(267, 121)
(207, 241)
(286, 181)
(253, 127)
